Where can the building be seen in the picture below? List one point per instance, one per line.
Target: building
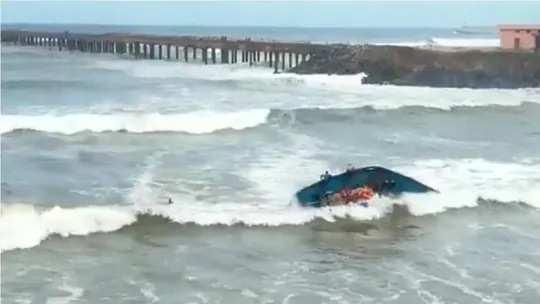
(520, 36)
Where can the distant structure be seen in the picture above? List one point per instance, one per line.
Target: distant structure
(520, 36)
(213, 49)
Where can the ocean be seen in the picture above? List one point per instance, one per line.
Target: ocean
(93, 146)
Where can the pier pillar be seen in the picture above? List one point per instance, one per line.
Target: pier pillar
(283, 61)
(205, 55)
(224, 55)
(169, 51)
(271, 59)
(186, 54)
(145, 51)
(160, 51)
(177, 50)
(276, 63)
(213, 55)
(152, 51)
(194, 53)
(290, 60)
(136, 49)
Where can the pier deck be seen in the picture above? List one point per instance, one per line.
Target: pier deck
(220, 49)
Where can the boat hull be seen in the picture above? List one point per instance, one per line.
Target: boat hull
(318, 194)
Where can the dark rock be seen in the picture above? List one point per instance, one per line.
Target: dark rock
(410, 66)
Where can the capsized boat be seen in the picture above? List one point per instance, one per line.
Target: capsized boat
(382, 181)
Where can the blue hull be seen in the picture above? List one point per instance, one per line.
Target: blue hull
(374, 176)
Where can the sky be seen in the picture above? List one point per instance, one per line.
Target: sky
(274, 13)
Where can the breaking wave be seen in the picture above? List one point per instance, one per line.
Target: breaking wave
(194, 123)
(204, 122)
(26, 226)
(449, 42)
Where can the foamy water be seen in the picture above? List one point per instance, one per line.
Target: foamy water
(449, 42)
(89, 163)
(461, 183)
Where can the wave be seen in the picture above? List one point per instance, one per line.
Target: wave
(204, 122)
(463, 184)
(448, 42)
(321, 114)
(25, 226)
(195, 122)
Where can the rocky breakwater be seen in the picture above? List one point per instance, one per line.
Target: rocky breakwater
(435, 67)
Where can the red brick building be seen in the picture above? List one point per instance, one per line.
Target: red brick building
(520, 36)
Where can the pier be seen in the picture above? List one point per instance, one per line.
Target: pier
(279, 55)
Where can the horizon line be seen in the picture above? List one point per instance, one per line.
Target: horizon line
(251, 26)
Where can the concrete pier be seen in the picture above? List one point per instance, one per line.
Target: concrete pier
(278, 55)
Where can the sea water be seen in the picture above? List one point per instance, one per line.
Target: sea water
(94, 145)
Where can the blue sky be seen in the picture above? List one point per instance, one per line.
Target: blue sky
(274, 13)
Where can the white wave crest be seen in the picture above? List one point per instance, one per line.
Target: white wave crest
(461, 183)
(195, 122)
(25, 226)
(448, 42)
